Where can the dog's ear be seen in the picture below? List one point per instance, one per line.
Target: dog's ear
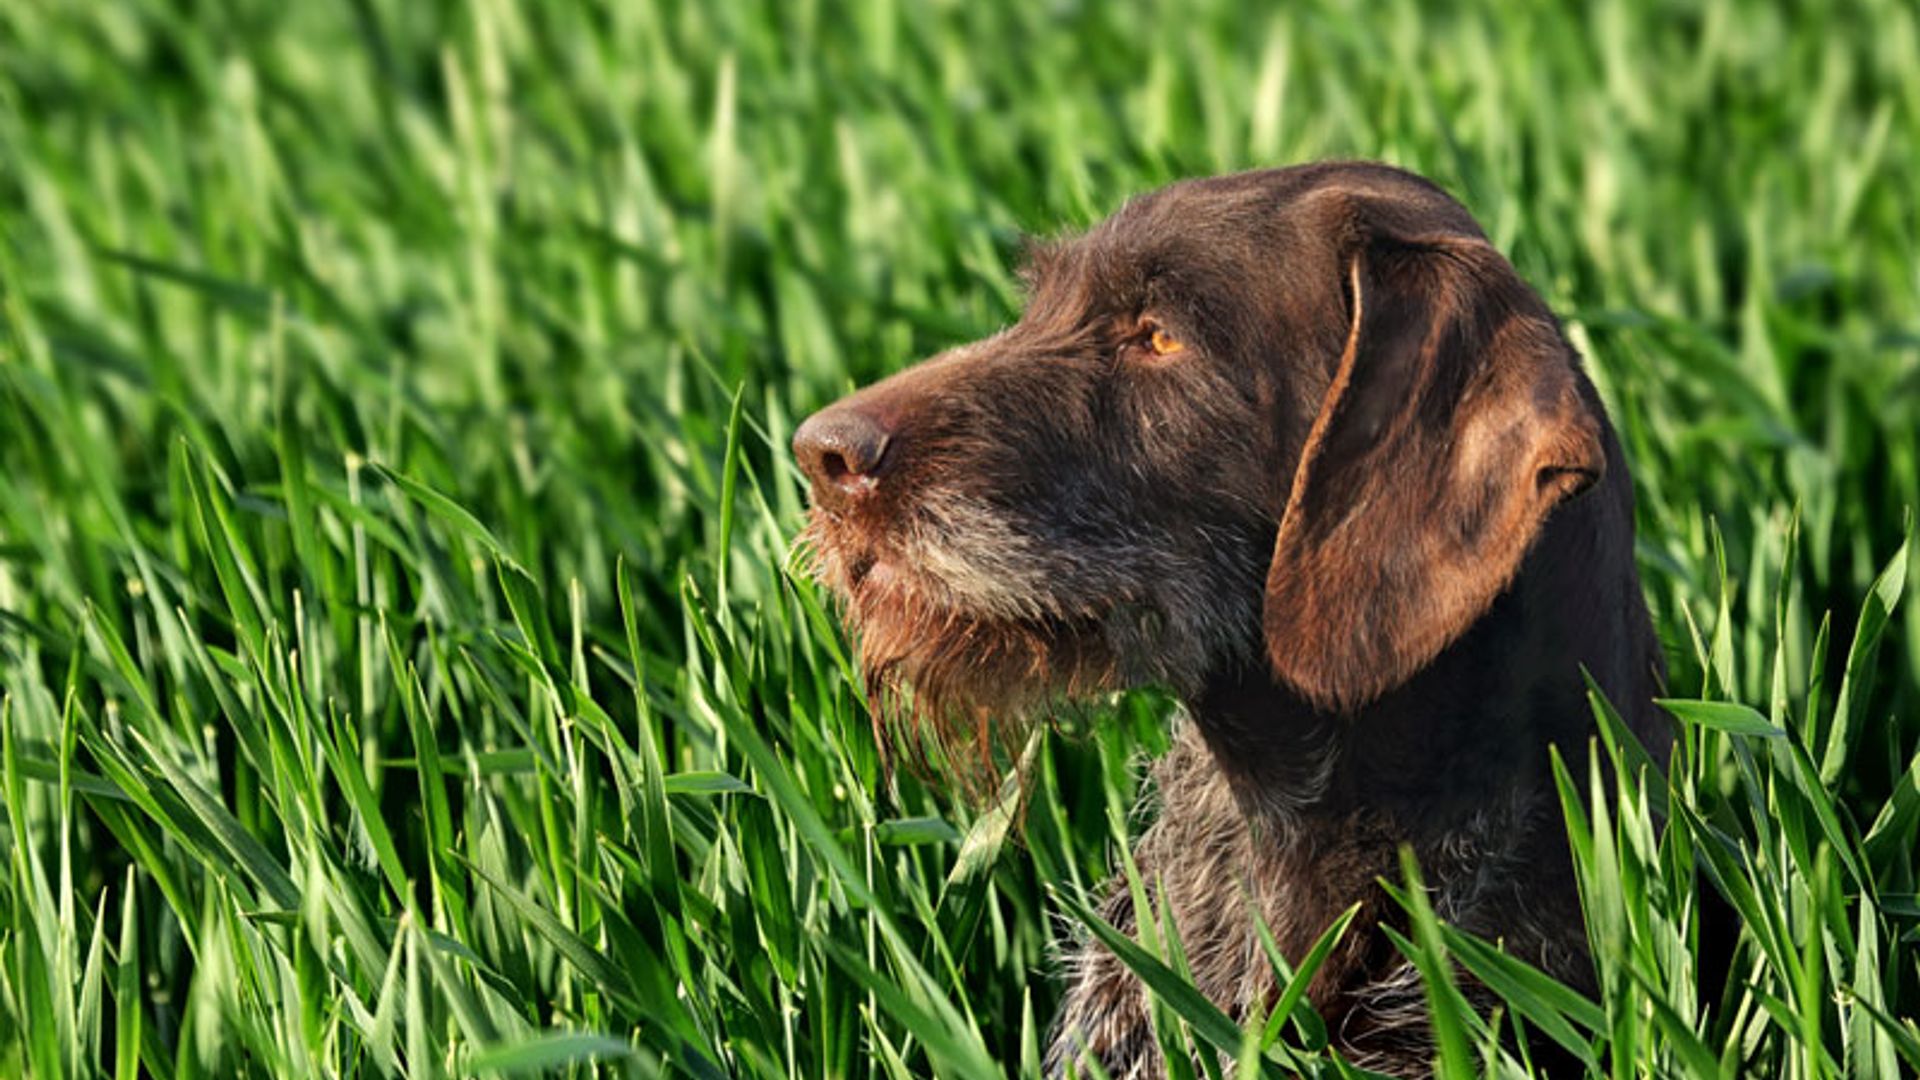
(1455, 423)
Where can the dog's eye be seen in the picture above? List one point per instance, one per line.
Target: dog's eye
(1149, 341)
(1154, 339)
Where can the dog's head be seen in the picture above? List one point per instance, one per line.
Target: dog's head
(1308, 415)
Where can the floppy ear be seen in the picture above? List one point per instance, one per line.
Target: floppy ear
(1455, 423)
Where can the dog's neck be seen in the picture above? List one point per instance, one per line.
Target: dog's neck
(1472, 729)
(1426, 755)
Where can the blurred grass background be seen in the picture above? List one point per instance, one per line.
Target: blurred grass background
(401, 670)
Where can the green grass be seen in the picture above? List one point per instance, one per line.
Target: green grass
(402, 670)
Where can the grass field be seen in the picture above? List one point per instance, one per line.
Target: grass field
(403, 670)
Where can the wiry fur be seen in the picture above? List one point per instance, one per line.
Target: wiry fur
(1349, 524)
(977, 639)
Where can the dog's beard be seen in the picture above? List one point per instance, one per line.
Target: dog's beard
(969, 629)
(953, 680)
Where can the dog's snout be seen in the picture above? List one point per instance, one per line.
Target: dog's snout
(841, 448)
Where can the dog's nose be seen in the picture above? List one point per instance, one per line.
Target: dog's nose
(840, 448)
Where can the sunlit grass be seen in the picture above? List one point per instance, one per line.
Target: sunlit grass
(401, 669)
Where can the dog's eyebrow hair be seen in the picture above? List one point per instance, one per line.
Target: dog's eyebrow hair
(1043, 257)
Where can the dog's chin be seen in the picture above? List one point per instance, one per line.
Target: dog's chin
(949, 685)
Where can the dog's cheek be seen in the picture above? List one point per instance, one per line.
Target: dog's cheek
(1184, 442)
(1015, 427)
(1014, 517)
(1185, 432)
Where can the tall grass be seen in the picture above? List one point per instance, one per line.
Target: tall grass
(401, 668)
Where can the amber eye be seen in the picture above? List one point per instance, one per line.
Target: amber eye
(1164, 344)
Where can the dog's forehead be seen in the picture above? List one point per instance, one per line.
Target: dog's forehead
(1212, 217)
(1197, 203)
(1254, 240)
(1269, 206)
(1208, 243)
(1186, 230)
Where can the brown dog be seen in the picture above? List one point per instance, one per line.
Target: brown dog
(1301, 446)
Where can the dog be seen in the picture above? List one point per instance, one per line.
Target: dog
(1299, 446)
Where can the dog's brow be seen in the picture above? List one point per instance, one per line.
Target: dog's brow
(1042, 259)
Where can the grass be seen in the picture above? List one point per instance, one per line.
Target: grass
(402, 671)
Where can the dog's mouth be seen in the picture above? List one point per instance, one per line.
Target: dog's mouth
(882, 572)
(944, 678)
(863, 575)
(869, 573)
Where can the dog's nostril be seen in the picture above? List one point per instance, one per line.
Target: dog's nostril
(860, 453)
(840, 449)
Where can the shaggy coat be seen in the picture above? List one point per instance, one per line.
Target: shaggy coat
(1301, 446)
